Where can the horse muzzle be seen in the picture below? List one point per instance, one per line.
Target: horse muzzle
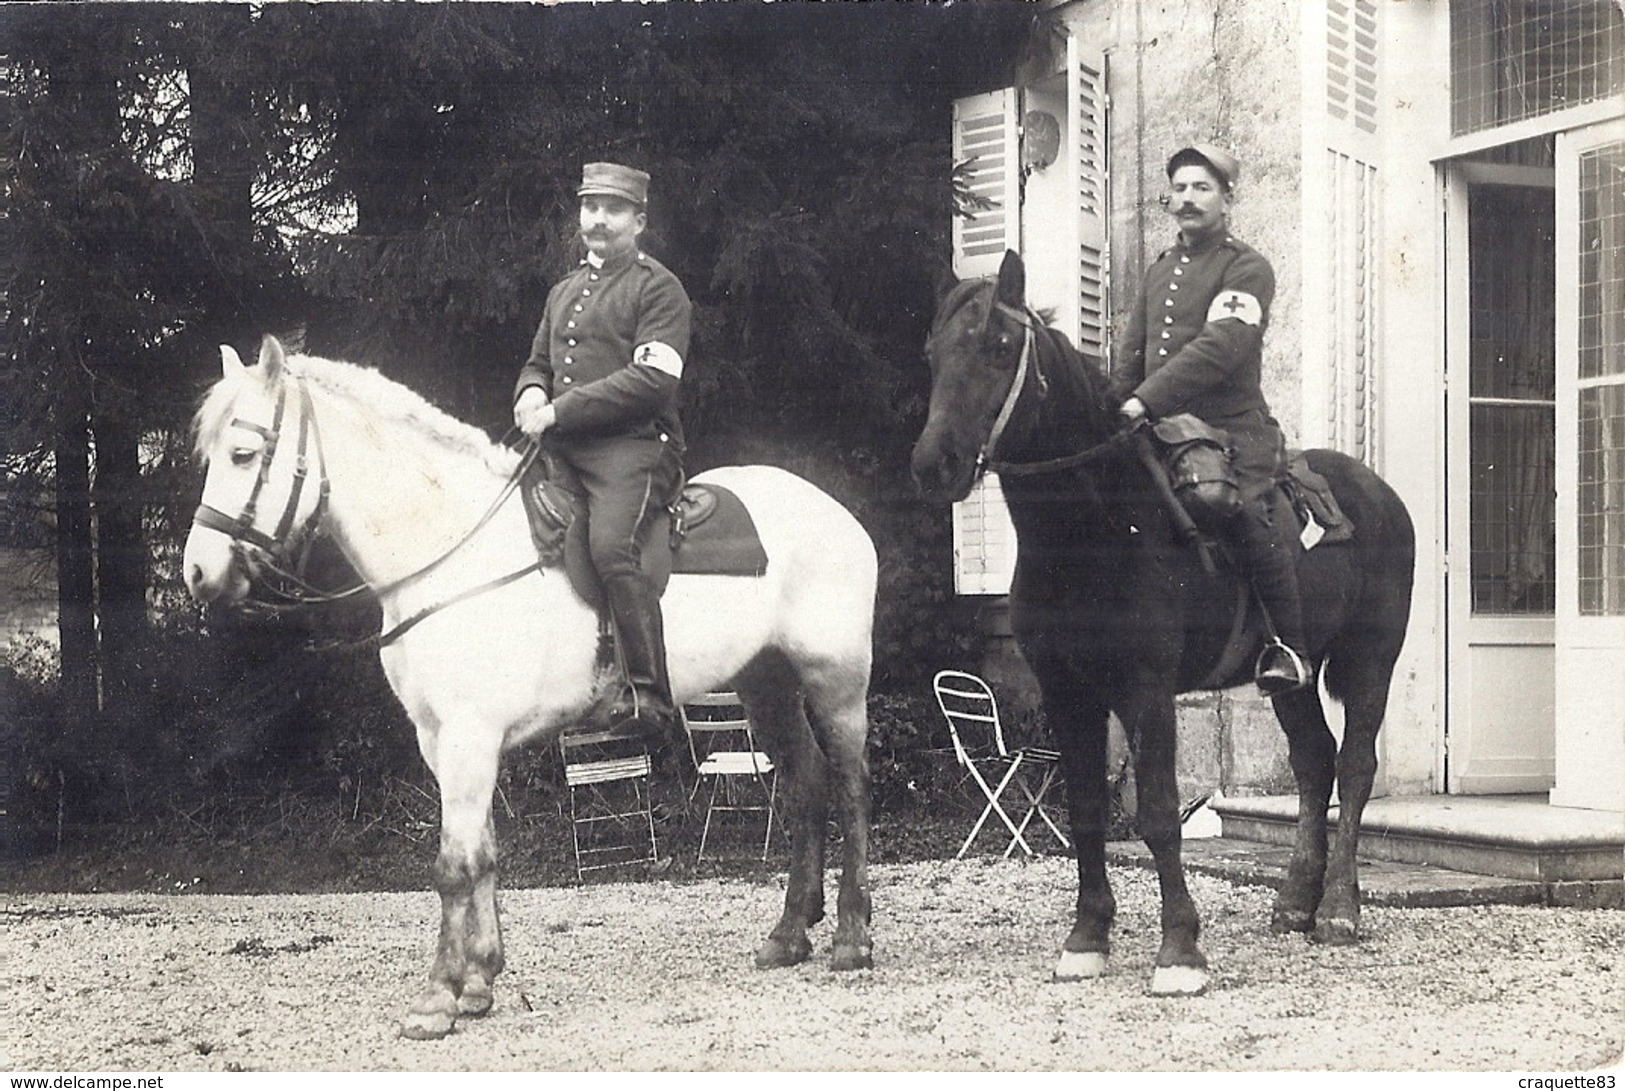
(215, 571)
(942, 474)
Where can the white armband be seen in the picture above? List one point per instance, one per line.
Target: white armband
(660, 356)
(1234, 304)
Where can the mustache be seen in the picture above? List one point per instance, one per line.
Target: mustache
(1168, 203)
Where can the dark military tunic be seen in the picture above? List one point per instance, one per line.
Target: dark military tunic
(582, 353)
(608, 353)
(1194, 345)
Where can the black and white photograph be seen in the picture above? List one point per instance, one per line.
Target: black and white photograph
(790, 537)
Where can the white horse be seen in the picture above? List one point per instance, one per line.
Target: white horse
(487, 665)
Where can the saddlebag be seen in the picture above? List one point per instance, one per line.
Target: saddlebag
(1197, 457)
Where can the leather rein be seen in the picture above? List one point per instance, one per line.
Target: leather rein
(276, 562)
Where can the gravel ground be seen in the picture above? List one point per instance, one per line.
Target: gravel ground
(657, 976)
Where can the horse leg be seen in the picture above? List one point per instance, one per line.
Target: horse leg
(1077, 722)
(837, 699)
(1148, 716)
(485, 957)
(773, 702)
(1312, 753)
(469, 953)
(1338, 919)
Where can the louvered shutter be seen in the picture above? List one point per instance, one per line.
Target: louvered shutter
(1350, 253)
(985, 136)
(1086, 123)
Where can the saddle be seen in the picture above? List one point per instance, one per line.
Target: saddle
(709, 531)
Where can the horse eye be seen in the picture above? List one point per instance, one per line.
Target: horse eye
(242, 456)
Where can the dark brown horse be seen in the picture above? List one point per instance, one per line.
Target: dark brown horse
(1114, 614)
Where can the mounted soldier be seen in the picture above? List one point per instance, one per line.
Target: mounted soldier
(601, 385)
(1194, 346)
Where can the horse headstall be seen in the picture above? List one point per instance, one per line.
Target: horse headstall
(275, 562)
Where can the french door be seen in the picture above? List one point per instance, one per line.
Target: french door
(1590, 629)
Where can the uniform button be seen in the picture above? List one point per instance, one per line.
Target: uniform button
(1179, 272)
(1166, 335)
(1162, 352)
(1167, 320)
(1173, 287)
(571, 341)
(664, 437)
(570, 324)
(592, 276)
(1167, 303)
(569, 359)
(1184, 259)
(566, 379)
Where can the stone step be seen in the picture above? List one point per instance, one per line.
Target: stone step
(1511, 837)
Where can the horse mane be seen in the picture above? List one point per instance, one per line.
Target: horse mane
(372, 393)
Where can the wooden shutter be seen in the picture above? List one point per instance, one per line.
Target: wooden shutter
(985, 135)
(1086, 125)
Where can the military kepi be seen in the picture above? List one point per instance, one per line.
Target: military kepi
(614, 180)
(1227, 166)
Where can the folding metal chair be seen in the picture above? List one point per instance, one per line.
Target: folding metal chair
(610, 810)
(978, 737)
(725, 753)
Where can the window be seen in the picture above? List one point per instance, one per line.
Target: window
(1517, 59)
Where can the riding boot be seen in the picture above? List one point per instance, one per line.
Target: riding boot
(1283, 665)
(644, 709)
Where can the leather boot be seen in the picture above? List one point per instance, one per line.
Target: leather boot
(1283, 665)
(644, 710)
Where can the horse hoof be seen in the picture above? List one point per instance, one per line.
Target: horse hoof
(1337, 932)
(427, 1026)
(776, 954)
(1080, 966)
(851, 956)
(1292, 920)
(1178, 981)
(475, 1000)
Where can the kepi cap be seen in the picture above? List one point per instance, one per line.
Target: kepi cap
(1225, 165)
(614, 180)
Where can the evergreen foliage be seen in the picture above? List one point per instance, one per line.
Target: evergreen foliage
(395, 184)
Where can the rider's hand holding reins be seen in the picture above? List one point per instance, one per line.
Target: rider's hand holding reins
(1133, 410)
(533, 414)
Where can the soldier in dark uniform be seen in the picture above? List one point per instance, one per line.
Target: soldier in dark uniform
(601, 385)
(1193, 346)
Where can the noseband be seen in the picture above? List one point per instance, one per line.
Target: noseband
(257, 551)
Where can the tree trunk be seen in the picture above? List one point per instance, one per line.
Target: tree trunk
(75, 578)
(117, 495)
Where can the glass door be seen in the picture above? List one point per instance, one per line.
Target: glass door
(1591, 468)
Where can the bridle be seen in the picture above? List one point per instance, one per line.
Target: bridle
(282, 555)
(1031, 364)
(276, 562)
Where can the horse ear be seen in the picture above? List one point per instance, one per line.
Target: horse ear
(231, 365)
(272, 358)
(1012, 280)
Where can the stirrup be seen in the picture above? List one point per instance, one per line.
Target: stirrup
(1270, 675)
